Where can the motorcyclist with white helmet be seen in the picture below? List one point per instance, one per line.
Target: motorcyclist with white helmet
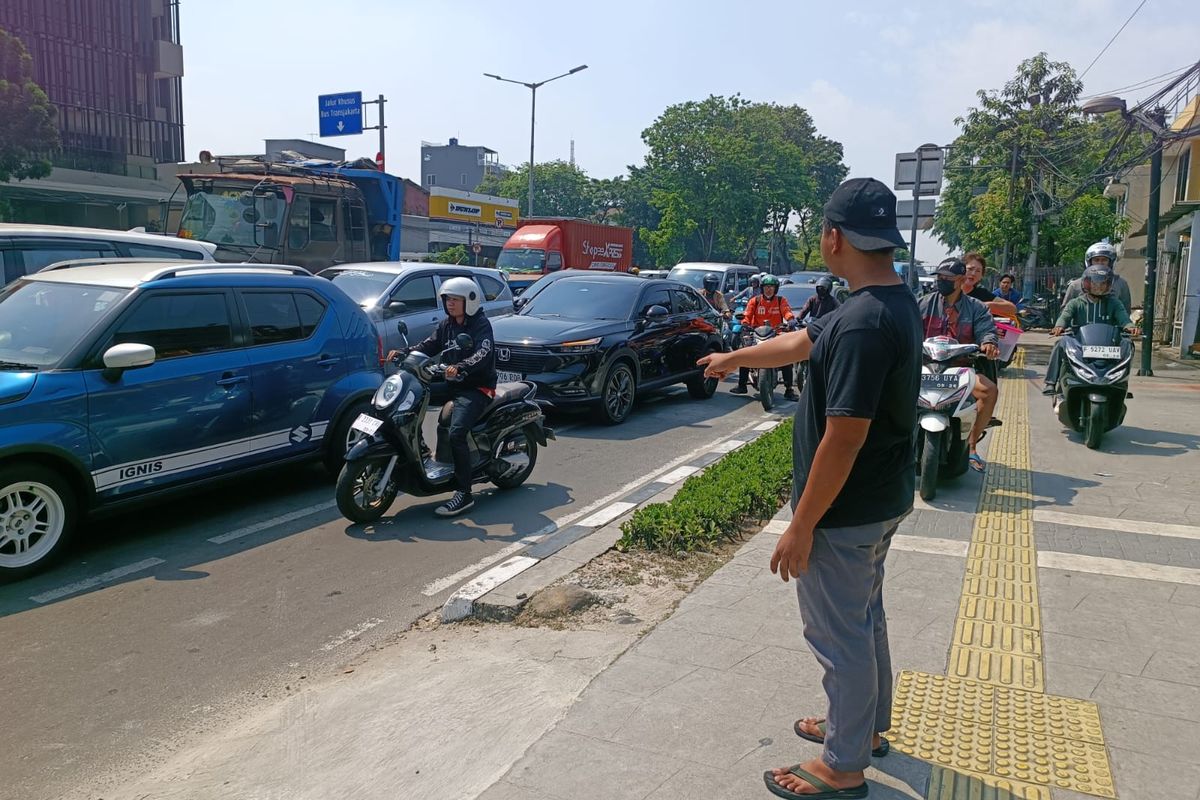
(1097, 304)
(471, 378)
(1101, 254)
(753, 290)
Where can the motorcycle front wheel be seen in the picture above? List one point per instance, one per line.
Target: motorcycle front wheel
(766, 388)
(1094, 425)
(359, 497)
(931, 456)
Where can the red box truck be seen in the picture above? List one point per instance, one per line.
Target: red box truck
(545, 244)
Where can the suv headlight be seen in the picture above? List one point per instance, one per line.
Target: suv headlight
(579, 346)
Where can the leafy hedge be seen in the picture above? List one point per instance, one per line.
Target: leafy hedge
(747, 484)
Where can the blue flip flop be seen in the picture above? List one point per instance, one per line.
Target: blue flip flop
(977, 463)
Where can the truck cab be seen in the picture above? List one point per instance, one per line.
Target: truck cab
(308, 216)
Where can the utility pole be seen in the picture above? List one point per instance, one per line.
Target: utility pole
(1012, 196)
(1159, 117)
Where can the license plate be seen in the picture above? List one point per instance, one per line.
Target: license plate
(366, 424)
(1097, 351)
(509, 377)
(939, 381)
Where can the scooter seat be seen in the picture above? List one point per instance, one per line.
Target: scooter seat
(510, 393)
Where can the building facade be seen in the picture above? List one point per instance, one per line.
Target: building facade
(456, 166)
(112, 69)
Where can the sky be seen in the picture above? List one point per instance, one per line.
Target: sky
(878, 77)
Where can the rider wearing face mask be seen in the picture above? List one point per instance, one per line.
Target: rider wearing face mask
(821, 303)
(1096, 304)
(950, 312)
(769, 308)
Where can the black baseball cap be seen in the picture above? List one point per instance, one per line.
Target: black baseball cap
(864, 210)
(951, 268)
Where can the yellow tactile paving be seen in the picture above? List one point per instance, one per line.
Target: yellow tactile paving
(987, 726)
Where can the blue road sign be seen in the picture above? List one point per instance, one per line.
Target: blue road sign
(340, 114)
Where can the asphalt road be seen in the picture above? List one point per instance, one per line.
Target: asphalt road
(176, 619)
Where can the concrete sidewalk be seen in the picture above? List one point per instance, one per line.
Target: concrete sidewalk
(1042, 624)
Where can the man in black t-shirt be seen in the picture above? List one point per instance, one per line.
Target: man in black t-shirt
(854, 476)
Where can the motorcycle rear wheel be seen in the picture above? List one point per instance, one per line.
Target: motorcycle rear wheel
(519, 443)
(358, 498)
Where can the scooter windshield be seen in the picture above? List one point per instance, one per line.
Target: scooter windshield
(1098, 333)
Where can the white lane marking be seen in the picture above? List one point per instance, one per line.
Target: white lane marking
(605, 516)
(461, 603)
(442, 584)
(676, 475)
(96, 580)
(1117, 524)
(350, 633)
(1118, 568)
(466, 596)
(925, 544)
(766, 426)
(727, 446)
(271, 523)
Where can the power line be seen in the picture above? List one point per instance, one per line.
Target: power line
(1142, 84)
(1113, 39)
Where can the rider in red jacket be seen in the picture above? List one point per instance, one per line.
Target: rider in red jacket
(769, 308)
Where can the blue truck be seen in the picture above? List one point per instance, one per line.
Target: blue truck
(308, 213)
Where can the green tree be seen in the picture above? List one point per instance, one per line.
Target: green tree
(1027, 150)
(560, 189)
(667, 242)
(452, 255)
(28, 134)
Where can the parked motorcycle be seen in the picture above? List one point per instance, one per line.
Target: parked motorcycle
(391, 456)
(1093, 383)
(946, 411)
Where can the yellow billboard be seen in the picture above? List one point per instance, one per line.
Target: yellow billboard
(453, 206)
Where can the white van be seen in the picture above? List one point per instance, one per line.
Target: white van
(25, 249)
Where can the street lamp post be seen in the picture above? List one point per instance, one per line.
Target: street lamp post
(533, 87)
(1153, 121)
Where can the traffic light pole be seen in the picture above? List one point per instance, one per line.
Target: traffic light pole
(382, 160)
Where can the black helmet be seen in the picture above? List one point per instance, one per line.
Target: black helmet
(711, 281)
(825, 283)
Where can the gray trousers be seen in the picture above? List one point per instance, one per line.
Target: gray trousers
(841, 603)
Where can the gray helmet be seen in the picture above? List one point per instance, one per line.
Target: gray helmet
(825, 283)
(1101, 248)
(1097, 277)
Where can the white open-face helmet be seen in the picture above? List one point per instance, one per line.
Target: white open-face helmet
(1103, 248)
(465, 288)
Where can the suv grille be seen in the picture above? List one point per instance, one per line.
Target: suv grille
(522, 359)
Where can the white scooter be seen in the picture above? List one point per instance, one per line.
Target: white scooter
(946, 410)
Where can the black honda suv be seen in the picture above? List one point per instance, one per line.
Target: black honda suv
(603, 338)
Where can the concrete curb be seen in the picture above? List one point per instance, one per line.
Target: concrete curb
(502, 591)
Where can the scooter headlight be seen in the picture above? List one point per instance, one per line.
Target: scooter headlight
(386, 394)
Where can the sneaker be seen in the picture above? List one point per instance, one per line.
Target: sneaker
(790, 394)
(1048, 389)
(460, 502)
(739, 390)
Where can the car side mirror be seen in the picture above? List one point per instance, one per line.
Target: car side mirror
(655, 313)
(396, 306)
(121, 357)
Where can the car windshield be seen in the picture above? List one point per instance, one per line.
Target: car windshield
(362, 286)
(521, 260)
(692, 277)
(584, 299)
(233, 216)
(797, 294)
(42, 321)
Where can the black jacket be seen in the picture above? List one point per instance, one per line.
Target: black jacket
(479, 365)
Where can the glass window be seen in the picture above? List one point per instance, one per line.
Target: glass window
(150, 251)
(417, 293)
(179, 324)
(655, 297)
(40, 321)
(38, 256)
(686, 302)
(362, 286)
(273, 317)
(692, 277)
(311, 311)
(492, 288)
(322, 216)
(553, 262)
(579, 298)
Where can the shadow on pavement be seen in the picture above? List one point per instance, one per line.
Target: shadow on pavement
(906, 771)
(1128, 441)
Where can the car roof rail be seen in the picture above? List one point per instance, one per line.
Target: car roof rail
(201, 267)
(98, 261)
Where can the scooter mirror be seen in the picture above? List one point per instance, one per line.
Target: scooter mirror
(464, 341)
(402, 328)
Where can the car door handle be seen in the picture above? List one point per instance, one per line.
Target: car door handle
(229, 379)
(327, 361)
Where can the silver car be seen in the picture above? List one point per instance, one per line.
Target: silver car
(406, 291)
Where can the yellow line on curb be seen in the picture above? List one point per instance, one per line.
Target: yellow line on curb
(988, 726)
